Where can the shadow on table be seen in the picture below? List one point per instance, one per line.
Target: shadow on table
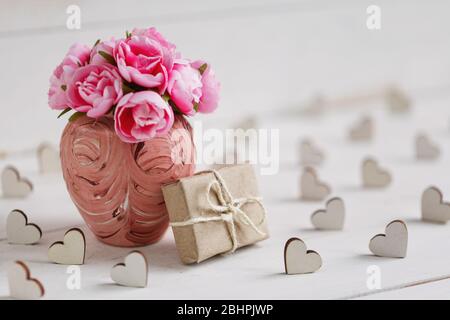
(288, 199)
(275, 275)
(161, 255)
(350, 188)
(417, 221)
(367, 257)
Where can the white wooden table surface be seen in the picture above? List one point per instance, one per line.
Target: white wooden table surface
(283, 52)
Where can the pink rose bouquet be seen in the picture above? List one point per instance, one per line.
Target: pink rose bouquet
(140, 81)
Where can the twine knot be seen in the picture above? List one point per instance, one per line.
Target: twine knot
(228, 209)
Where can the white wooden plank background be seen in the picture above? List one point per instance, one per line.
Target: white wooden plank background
(269, 56)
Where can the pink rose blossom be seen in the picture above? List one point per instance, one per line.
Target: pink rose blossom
(104, 46)
(142, 116)
(145, 58)
(77, 56)
(95, 89)
(154, 34)
(185, 87)
(210, 89)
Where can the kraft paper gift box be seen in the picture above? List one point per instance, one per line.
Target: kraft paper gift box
(215, 212)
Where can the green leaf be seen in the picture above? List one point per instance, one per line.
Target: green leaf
(127, 34)
(107, 57)
(64, 112)
(166, 97)
(75, 116)
(96, 43)
(175, 108)
(202, 68)
(128, 87)
(196, 106)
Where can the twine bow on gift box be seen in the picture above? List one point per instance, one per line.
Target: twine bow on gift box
(228, 210)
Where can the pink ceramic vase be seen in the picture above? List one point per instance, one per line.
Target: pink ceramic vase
(116, 186)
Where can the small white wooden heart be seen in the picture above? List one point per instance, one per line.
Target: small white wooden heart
(426, 149)
(133, 272)
(315, 106)
(332, 218)
(248, 123)
(397, 100)
(70, 251)
(362, 131)
(19, 231)
(393, 243)
(310, 154)
(299, 260)
(311, 187)
(433, 207)
(21, 285)
(48, 158)
(13, 185)
(373, 176)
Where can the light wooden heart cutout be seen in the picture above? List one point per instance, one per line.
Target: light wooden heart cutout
(315, 106)
(397, 100)
(373, 176)
(133, 272)
(310, 154)
(426, 149)
(71, 250)
(332, 217)
(311, 188)
(48, 158)
(19, 231)
(248, 123)
(21, 285)
(434, 209)
(392, 244)
(13, 185)
(363, 130)
(299, 260)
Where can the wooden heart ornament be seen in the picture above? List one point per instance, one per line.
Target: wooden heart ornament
(373, 176)
(311, 188)
(332, 218)
(434, 209)
(315, 106)
(116, 186)
(299, 260)
(362, 131)
(310, 154)
(21, 285)
(397, 100)
(13, 185)
(70, 251)
(393, 243)
(19, 231)
(133, 272)
(426, 149)
(48, 158)
(248, 123)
